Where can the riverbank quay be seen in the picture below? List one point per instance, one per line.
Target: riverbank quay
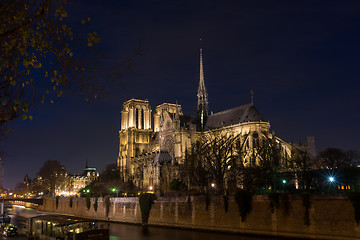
(320, 217)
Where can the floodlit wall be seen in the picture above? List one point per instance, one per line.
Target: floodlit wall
(329, 217)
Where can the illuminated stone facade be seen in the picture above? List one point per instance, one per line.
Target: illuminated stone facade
(149, 156)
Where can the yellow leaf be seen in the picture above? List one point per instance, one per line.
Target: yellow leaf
(31, 117)
(83, 21)
(24, 117)
(51, 101)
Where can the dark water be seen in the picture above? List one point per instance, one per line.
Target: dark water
(120, 231)
(135, 232)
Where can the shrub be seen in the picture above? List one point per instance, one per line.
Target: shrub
(243, 199)
(286, 203)
(274, 199)
(96, 204)
(208, 200)
(57, 202)
(307, 204)
(106, 202)
(146, 200)
(177, 185)
(226, 203)
(88, 202)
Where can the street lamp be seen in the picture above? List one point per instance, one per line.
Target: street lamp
(284, 182)
(114, 190)
(332, 184)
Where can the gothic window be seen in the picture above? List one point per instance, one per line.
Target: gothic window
(137, 118)
(255, 139)
(142, 119)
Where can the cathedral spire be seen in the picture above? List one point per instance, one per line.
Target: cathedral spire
(202, 95)
(252, 97)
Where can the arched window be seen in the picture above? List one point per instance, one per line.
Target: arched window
(142, 119)
(255, 140)
(137, 118)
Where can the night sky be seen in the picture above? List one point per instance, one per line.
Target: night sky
(301, 58)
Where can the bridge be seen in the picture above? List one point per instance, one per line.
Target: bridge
(38, 201)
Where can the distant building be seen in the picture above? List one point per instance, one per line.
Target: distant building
(149, 156)
(76, 182)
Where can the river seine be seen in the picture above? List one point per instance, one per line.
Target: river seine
(120, 231)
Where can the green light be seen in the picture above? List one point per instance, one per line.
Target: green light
(283, 181)
(114, 189)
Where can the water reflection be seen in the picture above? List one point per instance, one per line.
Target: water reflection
(135, 232)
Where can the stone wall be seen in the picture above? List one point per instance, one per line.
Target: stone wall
(331, 217)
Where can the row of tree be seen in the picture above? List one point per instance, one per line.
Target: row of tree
(221, 162)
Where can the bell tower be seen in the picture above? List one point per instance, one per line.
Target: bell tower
(134, 134)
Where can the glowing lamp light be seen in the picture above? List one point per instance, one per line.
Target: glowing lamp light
(88, 190)
(114, 189)
(151, 188)
(283, 181)
(212, 185)
(331, 179)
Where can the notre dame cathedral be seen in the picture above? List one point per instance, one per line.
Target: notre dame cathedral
(149, 155)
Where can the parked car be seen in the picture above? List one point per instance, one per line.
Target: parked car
(10, 230)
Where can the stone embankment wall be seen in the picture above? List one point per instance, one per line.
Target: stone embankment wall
(330, 217)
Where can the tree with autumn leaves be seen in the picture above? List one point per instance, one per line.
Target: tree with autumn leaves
(42, 57)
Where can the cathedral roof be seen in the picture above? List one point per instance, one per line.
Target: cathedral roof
(162, 157)
(241, 114)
